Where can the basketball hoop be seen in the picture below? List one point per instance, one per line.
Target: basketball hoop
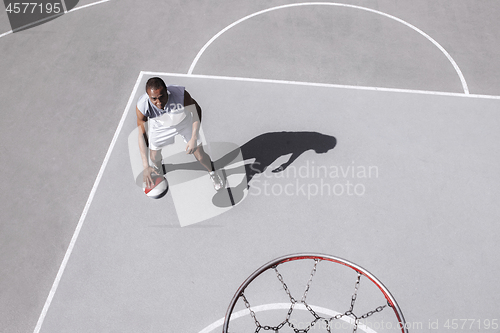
(330, 321)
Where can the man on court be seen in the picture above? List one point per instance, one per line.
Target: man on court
(171, 111)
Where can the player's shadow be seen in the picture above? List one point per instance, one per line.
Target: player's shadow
(260, 152)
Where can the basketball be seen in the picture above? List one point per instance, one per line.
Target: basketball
(159, 188)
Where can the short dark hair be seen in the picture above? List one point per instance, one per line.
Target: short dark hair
(155, 83)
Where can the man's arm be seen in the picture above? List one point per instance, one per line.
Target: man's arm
(188, 100)
(192, 144)
(143, 147)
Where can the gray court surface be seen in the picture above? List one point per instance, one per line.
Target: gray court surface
(397, 196)
(388, 112)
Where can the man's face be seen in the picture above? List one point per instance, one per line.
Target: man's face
(158, 97)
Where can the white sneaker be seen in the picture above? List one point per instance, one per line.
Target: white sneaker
(217, 181)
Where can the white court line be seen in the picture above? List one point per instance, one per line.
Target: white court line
(6, 33)
(448, 56)
(286, 306)
(85, 210)
(53, 16)
(327, 85)
(88, 5)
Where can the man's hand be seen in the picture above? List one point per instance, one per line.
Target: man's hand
(146, 175)
(191, 146)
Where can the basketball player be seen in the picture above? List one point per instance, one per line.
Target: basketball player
(171, 111)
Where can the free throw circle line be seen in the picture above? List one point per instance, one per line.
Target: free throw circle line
(286, 306)
(448, 56)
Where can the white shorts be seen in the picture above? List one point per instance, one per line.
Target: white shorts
(161, 136)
